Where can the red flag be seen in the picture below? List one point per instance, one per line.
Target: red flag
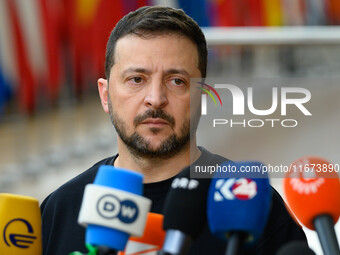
(108, 14)
(255, 13)
(51, 36)
(334, 12)
(26, 78)
(225, 14)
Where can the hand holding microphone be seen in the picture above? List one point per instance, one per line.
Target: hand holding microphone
(239, 206)
(312, 190)
(20, 225)
(113, 209)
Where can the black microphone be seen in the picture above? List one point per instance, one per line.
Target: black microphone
(295, 248)
(184, 213)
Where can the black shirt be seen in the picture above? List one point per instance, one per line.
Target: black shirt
(62, 234)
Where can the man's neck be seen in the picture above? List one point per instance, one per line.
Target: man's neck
(157, 169)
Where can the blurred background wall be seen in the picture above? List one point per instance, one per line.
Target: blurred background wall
(52, 126)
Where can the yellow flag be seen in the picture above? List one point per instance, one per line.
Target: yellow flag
(273, 12)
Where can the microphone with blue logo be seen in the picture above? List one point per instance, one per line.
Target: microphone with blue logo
(239, 204)
(20, 225)
(113, 208)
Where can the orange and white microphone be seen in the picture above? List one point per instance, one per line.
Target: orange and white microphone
(151, 241)
(312, 190)
(20, 225)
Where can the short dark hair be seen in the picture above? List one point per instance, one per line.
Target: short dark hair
(157, 20)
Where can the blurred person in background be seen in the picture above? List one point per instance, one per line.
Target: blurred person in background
(151, 55)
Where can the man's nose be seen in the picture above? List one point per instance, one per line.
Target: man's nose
(156, 95)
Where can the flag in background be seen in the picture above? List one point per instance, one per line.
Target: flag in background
(255, 13)
(89, 25)
(107, 15)
(78, 38)
(272, 13)
(51, 40)
(196, 9)
(225, 13)
(8, 71)
(47, 45)
(32, 52)
(26, 80)
(293, 12)
(5, 93)
(333, 11)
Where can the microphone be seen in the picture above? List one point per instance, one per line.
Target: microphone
(152, 239)
(295, 248)
(184, 213)
(113, 209)
(239, 205)
(20, 225)
(312, 190)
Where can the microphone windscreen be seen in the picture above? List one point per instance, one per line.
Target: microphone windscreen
(185, 204)
(312, 188)
(119, 178)
(152, 239)
(113, 207)
(240, 203)
(20, 225)
(295, 248)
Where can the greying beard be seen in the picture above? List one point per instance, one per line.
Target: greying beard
(140, 147)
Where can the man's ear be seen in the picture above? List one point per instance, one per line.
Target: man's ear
(104, 93)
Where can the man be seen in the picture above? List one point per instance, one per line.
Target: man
(151, 55)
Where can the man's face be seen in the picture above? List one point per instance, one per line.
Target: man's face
(149, 93)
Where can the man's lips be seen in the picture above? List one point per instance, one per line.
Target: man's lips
(155, 122)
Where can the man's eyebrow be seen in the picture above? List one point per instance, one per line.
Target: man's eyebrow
(136, 70)
(177, 71)
(147, 71)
